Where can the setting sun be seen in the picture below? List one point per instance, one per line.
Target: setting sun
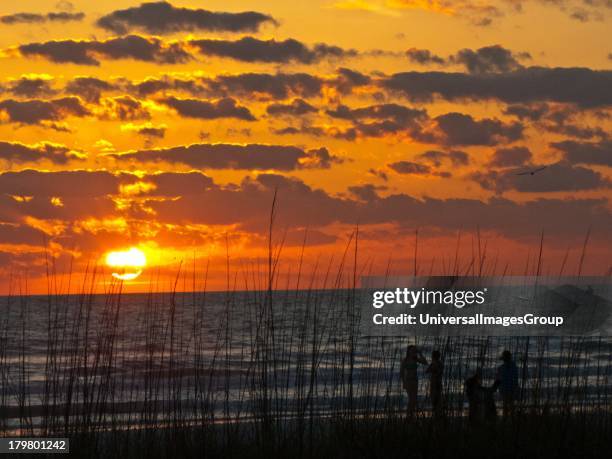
(129, 262)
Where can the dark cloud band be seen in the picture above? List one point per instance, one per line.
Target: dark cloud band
(164, 18)
(90, 52)
(582, 86)
(229, 156)
(37, 18)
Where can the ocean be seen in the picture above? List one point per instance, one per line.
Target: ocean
(134, 360)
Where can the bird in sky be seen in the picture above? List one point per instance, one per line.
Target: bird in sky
(533, 171)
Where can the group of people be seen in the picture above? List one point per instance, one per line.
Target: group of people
(481, 399)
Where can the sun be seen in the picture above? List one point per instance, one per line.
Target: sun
(128, 264)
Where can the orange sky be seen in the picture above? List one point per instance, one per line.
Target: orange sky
(168, 126)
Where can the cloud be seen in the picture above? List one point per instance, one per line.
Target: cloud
(436, 158)
(366, 192)
(89, 52)
(193, 198)
(348, 79)
(230, 156)
(578, 132)
(320, 158)
(316, 131)
(297, 107)
(556, 118)
(44, 112)
(379, 173)
(32, 86)
(204, 109)
(424, 57)
(147, 130)
(580, 10)
(61, 183)
(300, 205)
(532, 112)
(49, 197)
(19, 153)
(483, 13)
(89, 88)
(458, 129)
(237, 132)
(37, 18)
(259, 86)
(583, 15)
(275, 86)
(581, 86)
(66, 196)
(172, 184)
(408, 167)
(556, 177)
(22, 261)
(55, 208)
(395, 112)
(594, 153)
(381, 119)
(20, 234)
(412, 168)
(489, 59)
(164, 18)
(540, 112)
(510, 157)
(124, 108)
(478, 13)
(246, 204)
(249, 49)
(152, 85)
(450, 129)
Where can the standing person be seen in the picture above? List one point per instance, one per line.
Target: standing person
(408, 373)
(435, 371)
(507, 378)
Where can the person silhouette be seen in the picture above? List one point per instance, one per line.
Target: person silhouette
(507, 378)
(435, 371)
(409, 376)
(480, 399)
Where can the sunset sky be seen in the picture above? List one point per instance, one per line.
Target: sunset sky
(168, 127)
